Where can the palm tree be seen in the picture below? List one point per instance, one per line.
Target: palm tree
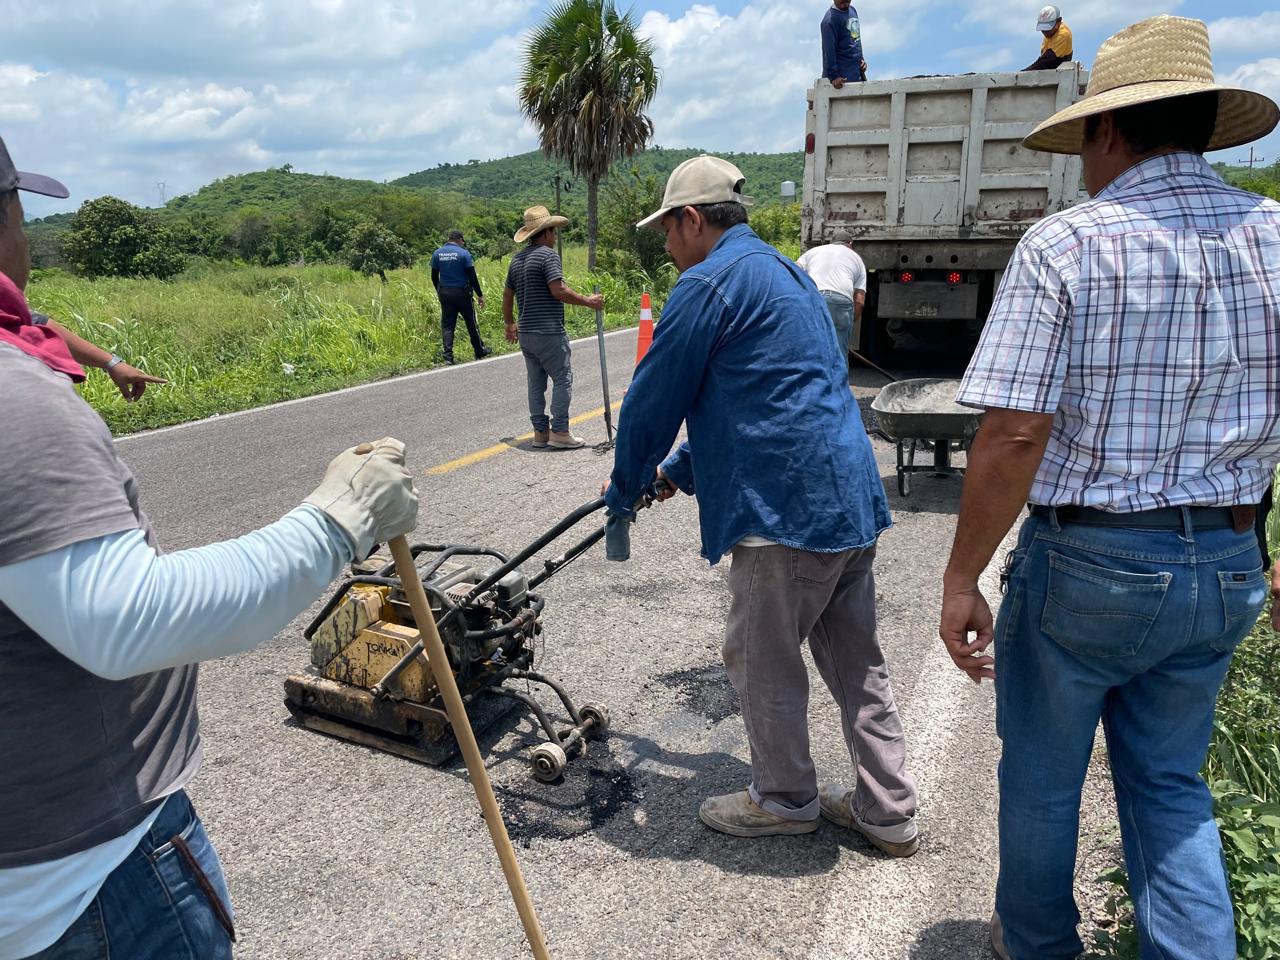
(587, 78)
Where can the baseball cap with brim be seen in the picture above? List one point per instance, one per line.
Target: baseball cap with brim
(537, 219)
(1157, 59)
(699, 180)
(13, 179)
(1049, 17)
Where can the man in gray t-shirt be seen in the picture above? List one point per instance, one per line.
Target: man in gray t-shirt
(101, 633)
(535, 283)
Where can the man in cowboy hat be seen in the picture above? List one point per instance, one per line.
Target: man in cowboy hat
(535, 281)
(786, 481)
(1129, 373)
(1055, 50)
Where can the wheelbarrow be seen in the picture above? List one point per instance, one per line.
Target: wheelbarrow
(917, 413)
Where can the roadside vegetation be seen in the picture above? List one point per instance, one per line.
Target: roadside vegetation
(231, 337)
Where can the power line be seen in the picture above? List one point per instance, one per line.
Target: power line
(1253, 159)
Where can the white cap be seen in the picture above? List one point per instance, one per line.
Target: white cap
(699, 180)
(1049, 15)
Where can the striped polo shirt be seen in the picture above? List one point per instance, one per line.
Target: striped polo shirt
(528, 277)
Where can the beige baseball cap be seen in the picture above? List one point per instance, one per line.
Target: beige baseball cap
(704, 179)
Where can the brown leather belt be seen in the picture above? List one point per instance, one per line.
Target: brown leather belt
(1238, 518)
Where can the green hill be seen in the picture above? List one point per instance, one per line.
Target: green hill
(274, 191)
(527, 177)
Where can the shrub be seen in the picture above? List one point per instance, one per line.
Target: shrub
(372, 248)
(113, 238)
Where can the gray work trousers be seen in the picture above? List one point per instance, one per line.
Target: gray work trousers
(548, 355)
(780, 596)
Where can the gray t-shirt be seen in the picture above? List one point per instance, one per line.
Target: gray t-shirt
(84, 759)
(530, 273)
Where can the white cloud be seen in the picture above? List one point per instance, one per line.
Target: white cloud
(1245, 35)
(1261, 75)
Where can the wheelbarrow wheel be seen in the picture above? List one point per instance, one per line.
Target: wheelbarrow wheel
(597, 714)
(549, 762)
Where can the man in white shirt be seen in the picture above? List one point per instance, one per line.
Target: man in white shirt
(841, 278)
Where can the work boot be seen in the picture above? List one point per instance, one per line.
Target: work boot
(564, 440)
(898, 840)
(738, 815)
(997, 937)
(540, 438)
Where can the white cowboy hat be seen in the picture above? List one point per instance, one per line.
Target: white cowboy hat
(1156, 59)
(537, 219)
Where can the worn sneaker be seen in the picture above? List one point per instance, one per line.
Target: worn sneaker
(997, 937)
(484, 352)
(738, 815)
(899, 840)
(540, 438)
(565, 441)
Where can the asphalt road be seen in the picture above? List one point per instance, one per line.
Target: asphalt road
(336, 851)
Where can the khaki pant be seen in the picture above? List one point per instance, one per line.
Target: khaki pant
(779, 597)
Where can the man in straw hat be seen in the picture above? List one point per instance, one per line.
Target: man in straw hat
(1130, 371)
(785, 478)
(535, 281)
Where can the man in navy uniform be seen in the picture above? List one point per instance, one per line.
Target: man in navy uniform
(453, 274)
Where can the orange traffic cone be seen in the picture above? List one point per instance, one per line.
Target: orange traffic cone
(645, 340)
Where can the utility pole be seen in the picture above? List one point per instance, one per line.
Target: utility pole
(160, 185)
(560, 181)
(1252, 159)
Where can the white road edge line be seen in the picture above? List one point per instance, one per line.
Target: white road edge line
(223, 417)
(882, 922)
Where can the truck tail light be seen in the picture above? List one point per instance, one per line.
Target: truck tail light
(906, 276)
(955, 277)
(809, 143)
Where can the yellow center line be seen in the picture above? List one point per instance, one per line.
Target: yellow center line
(498, 448)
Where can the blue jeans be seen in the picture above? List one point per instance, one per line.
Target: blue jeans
(841, 309)
(1134, 628)
(167, 901)
(548, 355)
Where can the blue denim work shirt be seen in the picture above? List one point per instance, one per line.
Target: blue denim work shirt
(746, 354)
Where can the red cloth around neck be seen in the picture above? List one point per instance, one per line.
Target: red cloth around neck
(39, 341)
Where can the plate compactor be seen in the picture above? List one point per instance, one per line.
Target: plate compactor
(369, 681)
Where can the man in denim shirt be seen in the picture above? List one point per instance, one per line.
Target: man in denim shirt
(785, 479)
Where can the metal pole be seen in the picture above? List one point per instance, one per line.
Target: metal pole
(559, 245)
(407, 571)
(604, 375)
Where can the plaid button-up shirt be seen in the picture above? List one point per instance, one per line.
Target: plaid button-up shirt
(1148, 322)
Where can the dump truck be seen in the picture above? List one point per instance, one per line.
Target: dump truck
(929, 176)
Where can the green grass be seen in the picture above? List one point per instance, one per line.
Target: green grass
(234, 337)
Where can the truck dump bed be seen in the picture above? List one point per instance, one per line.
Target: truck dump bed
(935, 159)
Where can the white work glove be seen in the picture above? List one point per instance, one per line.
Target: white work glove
(368, 493)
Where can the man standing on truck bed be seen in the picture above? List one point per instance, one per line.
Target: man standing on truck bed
(1056, 48)
(842, 45)
(1130, 371)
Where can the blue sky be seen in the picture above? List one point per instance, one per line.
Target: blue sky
(122, 97)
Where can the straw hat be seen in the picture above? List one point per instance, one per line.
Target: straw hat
(1157, 59)
(537, 219)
